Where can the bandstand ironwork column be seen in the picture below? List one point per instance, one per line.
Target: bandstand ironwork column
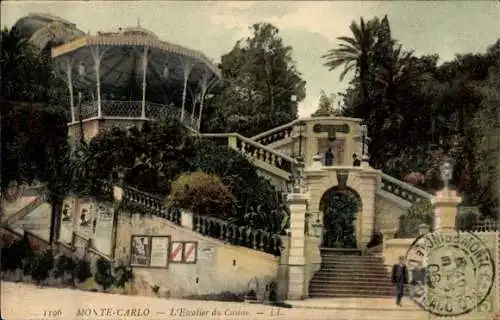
(144, 79)
(188, 67)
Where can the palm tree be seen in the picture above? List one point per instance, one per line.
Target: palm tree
(354, 53)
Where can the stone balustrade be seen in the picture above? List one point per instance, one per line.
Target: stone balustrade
(403, 190)
(238, 235)
(255, 151)
(275, 134)
(143, 202)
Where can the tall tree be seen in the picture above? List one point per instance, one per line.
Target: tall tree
(487, 127)
(34, 131)
(260, 77)
(354, 54)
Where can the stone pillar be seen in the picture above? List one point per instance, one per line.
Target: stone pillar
(368, 188)
(187, 219)
(297, 286)
(446, 202)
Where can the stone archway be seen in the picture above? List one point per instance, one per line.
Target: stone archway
(340, 207)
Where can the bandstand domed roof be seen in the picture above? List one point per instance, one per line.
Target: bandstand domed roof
(120, 56)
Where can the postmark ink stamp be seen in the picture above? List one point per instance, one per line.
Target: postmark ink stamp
(453, 272)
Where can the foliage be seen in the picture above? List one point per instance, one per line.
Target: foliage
(104, 274)
(487, 139)
(202, 193)
(34, 131)
(260, 78)
(13, 255)
(123, 274)
(148, 158)
(467, 221)
(65, 266)
(419, 213)
(326, 106)
(339, 215)
(418, 112)
(42, 265)
(82, 270)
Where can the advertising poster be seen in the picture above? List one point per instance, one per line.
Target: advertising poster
(67, 216)
(159, 252)
(140, 251)
(102, 228)
(85, 219)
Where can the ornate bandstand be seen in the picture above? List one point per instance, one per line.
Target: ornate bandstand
(125, 77)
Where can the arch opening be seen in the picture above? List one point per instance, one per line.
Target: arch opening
(340, 206)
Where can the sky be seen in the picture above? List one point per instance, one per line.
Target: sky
(310, 27)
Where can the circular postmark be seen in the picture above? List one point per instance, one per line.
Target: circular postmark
(453, 273)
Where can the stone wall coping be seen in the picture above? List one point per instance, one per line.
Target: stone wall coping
(399, 242)
(298, 197)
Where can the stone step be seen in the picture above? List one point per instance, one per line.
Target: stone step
(340, 280)
(354, 271)
(363, 278)
(354, 266)
(352, 261)
(351, 286)
(353, 258)
(353, 293)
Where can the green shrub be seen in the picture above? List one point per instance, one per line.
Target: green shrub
(419, 213)
(123, 274)
(13, 255)
(202, 193)
(65, 266)
(467, 221)
(82, 270)
(104, 274)
(42, 265)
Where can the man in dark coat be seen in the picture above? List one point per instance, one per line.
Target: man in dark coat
(355, 161)
(329, 158)
(399, 277)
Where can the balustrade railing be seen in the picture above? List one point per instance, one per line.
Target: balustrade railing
(25, 210)
(238, 235)
(403, 190)
(255, 150)
(275, 134)
(148, 203)
(131, 109)
(487, 226)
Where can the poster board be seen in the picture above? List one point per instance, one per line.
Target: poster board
(159, 252)
(67, 219)
(149, 251)
(184, 252)
(85, 218)
(102, 228)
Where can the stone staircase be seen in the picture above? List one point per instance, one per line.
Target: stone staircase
(351, 276)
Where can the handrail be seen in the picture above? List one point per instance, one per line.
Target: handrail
(274, 130)
(21, 213)
(253, 143)
(408, 192)
(257, 151)
(244, 236)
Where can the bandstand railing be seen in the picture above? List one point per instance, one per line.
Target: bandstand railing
(119, 109)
